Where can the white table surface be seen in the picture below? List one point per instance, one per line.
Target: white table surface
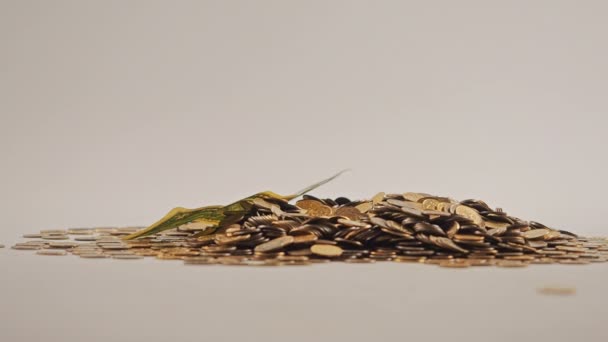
(72, 299)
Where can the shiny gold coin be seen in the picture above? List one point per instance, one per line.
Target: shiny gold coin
(314, 208)
(326, 250)
(378, 198)
(471, 214)
(409, 259)
(430, 204)
(364, 207)
(307, 204)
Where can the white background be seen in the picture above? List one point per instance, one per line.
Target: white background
(113, 112)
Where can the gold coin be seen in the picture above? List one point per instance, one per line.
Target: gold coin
(364, 207)
(127, 256)
(496, 225)
(314, 208)
(469, 237)
(32, 236)
(26, 247)
(199, 261)
(322, 210)
(80, 231)
(300, 252)
(571, 249)
(414, 196)
(471, 214)
(53, 232)
(56, 252)
(574, 261)
(66, 244)
(430, 204)
(350, 212)
(536, 233)
(275, 244)
(453, 264)
(55, 237)
(326, 250)
(359, 261)
(510, 263)
(85, 238)
(352, 223)
(93, 256)
(409, 259)
(307, 204)
(304, 238)
(378, 198)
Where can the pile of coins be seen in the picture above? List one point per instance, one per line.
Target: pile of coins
(409, 227)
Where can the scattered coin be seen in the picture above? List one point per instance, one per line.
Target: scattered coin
(511, 263)
(63, 244)
(32, 236)
(127, 256)
(326, 250)
(55, 237)
(93, 255)
(454, 264)
(52, 252)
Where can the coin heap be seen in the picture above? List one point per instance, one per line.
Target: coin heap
(409, 227)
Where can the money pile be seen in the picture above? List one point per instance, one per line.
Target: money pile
(408, 227)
